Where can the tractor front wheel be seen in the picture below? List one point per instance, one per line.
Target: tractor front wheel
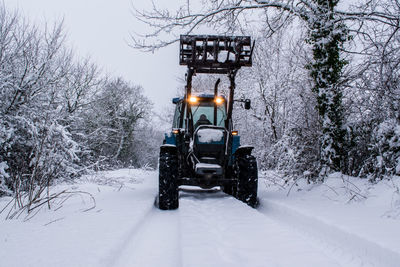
(168, 195)
(230, 189)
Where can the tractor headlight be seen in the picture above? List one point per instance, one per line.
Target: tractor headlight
(219, 100)
(193, 99)
(235, 132)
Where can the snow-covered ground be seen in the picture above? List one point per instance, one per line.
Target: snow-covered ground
(344, 222)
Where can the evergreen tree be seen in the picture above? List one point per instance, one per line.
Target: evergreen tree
(327, 37)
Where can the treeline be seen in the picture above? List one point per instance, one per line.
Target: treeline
(60, 115)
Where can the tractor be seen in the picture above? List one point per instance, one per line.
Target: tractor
(203, 149)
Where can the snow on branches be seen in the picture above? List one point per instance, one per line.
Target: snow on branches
(353, 65)
(54, 111)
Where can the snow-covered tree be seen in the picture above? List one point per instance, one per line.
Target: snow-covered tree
(372, 96)
(111, 120)
(283, 123)
(35, 145)
(55, 109)
(327, 37)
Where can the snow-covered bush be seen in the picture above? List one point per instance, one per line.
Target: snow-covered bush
(3, 176)
(147, 141)
(384, 151)
(358, 140)
(295, 154)
(38, 154)
(5, 136)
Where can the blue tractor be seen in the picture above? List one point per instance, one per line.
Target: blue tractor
(203, 149)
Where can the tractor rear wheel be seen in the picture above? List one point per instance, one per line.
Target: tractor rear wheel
(168, 195)
(247, 176)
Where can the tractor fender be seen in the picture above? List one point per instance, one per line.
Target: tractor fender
(243, 150)
(168, 148)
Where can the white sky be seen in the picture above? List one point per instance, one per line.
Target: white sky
(100, 28)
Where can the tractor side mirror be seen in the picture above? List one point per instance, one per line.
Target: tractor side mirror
(247, 104)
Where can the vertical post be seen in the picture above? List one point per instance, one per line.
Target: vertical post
(228, 122)
(215, 102)
(231, 76)
(189, 123)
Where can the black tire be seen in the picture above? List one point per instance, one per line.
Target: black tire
(168, 194)
(247, 175)
(230, 189)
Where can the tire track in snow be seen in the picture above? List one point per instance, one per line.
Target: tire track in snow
(153, 241)
(218, 230)
(117, 250)
(350, 247)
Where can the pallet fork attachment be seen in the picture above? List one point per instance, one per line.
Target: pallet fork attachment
(215, 54)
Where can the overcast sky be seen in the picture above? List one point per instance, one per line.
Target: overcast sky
(100, 28)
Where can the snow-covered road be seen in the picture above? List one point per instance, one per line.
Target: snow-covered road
(213, 229)
(209, 229)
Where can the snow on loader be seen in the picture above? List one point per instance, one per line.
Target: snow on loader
(203, 149)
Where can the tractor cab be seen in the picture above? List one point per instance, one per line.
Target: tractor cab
(205, 109)
(206, 132)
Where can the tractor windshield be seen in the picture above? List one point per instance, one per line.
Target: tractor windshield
(203, 113)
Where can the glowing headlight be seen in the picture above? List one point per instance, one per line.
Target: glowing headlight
(219, 100)
(193, 99)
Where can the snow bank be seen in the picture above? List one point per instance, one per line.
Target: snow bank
(344, 222)
(72, 234)
(357, 217)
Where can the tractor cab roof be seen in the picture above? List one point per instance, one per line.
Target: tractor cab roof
(202, 97)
